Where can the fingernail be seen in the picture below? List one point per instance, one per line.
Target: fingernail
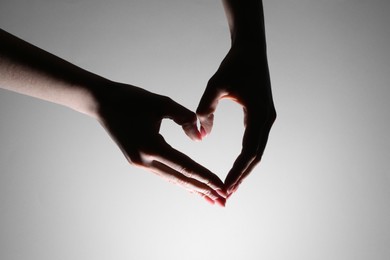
(232, 189)
(203, 132)
(209, 200)
(199, 135)
(221, 202)
(221, 193)
(197, 132)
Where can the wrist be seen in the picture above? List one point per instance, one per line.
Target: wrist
(249, 32)
(87, 97)
(249, 46)
(246, 22)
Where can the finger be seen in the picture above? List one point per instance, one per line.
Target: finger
(249, 169)
(249, 152)
(234, 187)
(184, 117)
(209, 200)
(207, 106)
(179, 179)
(220, 201)
(191, 130)
(186, 166)
(252, 165)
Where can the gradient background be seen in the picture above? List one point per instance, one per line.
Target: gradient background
(322, 191)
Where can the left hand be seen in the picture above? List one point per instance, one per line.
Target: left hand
(132, 116)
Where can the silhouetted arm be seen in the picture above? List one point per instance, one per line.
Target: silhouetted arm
(243, 76)
(131, 115)
(29, 70)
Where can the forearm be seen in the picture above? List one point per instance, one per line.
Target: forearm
(28, 70)
(246, 21)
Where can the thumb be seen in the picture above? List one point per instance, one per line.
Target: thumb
(207, 106)
(185, 118)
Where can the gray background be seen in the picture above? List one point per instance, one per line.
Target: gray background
(321, 192)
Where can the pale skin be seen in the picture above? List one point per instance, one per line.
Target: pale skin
(132, 116)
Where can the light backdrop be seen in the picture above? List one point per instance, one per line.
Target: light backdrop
(322, 191)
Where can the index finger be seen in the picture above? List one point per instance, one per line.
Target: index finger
(189, 168)
(184, 165)
(189, 184)
(263, 143)
(249, 152)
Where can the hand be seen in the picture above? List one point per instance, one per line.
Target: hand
(132, 116)
(243, 76)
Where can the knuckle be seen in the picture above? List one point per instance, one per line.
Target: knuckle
(188, 174)
(166, 100)
(272, 115)
(140, 158)
(208, 193)
(135, 160)
(182, 183)
(183, 171)
(208, 182)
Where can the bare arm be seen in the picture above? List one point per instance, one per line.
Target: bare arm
(28, 70)
(131, 115)
(246, 22)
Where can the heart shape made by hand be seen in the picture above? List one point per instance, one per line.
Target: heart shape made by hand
(218, 151)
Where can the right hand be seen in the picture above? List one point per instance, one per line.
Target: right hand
(243, 77)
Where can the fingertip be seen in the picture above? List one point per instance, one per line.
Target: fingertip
(196, 135)
(206, 124)
(221, 202)
(209, 200)
(199, 136)
(203, 132)
(232, 189)
(230, 180)
(222, 193)
(192, 132)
